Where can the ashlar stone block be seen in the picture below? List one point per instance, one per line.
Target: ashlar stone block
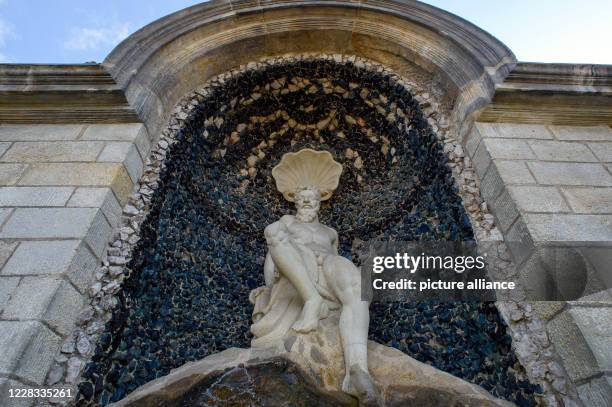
(113, 175)
(558, 173)
(55, 151)
(538, 199)
(34, 196)
(561, 151)
(56, 302)
(582, 133)
(589, 200)
(39, 132)
(45, 223)
(28, 349)
(103, 198)
(10, 173)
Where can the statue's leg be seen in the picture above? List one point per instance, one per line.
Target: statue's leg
(290, 263)
(345, 279)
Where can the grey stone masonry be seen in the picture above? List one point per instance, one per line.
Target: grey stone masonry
(554, 183)
(62, 188)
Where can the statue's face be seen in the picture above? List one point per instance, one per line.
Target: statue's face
(307, 202)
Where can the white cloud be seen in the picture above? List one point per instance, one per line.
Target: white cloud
(83, 39)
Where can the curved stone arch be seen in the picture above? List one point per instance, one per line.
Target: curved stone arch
(162, 62)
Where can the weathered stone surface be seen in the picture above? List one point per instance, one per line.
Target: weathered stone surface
(589, 200)
(6, 249)
(482, 160)
(547, 309)
(562, 151)
(39, 132)
(492, 184)
(129, 132)
(28, 348)
(4, 215)
(582, 133)
(103, 198)
(115, 152)
(514, 172)
(56, 302)
(514, 130)
(53, 151)
(49, 223)
(603, 151)
(508, 149)
(10, 173)
(569, 343)
(112, 132)
(7, 287)
(519, 241)
(597, 392)
(400, 379)
(595, 324)
(99, 234)
(558, 173)
(34, 196)
(126, 153)
(568, 227)
(3, 147)
(82, 267)
(111, 175)
(505, 210)
(41, 257)
(538, 199)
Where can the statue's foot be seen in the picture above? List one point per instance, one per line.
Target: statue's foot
(360, 384)
(309, 319)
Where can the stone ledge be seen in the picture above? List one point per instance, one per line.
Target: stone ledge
(61, 94)
(564, 94)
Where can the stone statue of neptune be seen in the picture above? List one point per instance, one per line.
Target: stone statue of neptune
(305, 277)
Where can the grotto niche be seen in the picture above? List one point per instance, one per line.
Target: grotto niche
(202, 248)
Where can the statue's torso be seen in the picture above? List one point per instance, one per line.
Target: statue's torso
(315, 236)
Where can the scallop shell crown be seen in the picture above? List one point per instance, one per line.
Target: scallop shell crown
(307, 169)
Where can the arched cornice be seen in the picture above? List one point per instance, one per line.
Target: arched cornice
(170, 57)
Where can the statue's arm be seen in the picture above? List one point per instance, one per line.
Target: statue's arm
(335, 241)
(269, 270)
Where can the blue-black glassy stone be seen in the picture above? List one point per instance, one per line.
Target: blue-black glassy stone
(202, 246)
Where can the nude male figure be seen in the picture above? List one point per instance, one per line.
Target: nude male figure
(299, 247)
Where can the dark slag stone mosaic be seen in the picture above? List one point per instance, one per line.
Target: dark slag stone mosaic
(202, 246)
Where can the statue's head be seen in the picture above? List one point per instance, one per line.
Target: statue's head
(307, 202)
(307, 178)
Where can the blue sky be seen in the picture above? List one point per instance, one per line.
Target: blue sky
(74, 31)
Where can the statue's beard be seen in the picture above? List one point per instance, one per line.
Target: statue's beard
(306, 215)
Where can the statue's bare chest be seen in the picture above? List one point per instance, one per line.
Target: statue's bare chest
(306, 233)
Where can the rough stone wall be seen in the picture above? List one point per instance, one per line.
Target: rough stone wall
(554, 183)
(62, 188)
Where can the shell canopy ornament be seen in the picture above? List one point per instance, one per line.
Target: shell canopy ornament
(307, 168)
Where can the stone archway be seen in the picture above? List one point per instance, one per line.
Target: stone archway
(165, 60)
